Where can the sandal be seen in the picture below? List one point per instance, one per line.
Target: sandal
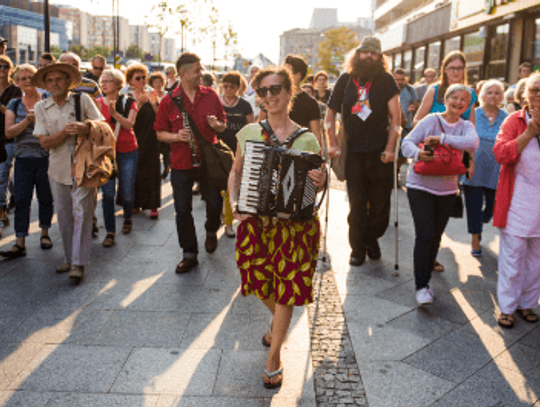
(14, 254)
(270, 385)
(46, 242)
(528, 315)
(438, 266)
(264, 341)
(506, 321)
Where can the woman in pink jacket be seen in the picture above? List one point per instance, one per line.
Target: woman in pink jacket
(517, 212)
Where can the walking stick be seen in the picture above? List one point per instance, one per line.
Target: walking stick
(327, 210)
(396, 209)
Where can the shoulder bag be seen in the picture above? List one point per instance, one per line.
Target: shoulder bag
(217, 159)
(446, 160)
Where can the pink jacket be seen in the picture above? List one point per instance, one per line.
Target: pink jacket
(506, 154)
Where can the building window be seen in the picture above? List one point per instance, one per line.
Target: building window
(407, 61)
(419, 64)
(397, 60)
(536, 40)
(498, 49)
(434, 55)
(451, 44)
(473, 48)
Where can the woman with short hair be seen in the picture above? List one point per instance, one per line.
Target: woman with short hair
(31, 164)
(148, 182)
(157, 82)
(119, 110)
(276, 257)
(172, 79)
(517, 212)
(432, 197)
(320, 83)
(481, 187)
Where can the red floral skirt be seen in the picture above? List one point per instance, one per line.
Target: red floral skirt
(277, 258)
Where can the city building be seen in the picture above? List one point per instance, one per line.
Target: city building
(495, 35)
(101, 31)
(168, 47)
(24, 31)
(138, 35)
(79, 20)
(305, 41)
(242, 64)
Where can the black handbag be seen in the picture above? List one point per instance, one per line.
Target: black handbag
(457, 212)
(217, 159)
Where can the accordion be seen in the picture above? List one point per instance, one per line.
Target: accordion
(275, 182)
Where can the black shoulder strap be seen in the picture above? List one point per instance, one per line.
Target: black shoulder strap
(440, 123)
(179, 103)
(16, 104)
(274, 140)
(77, 98)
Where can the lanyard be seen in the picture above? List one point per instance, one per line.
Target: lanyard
(362, 90)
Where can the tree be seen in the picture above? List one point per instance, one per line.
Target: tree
(220, 32)
(99, 49)
(338, 41)
(56, 51)
(133, 51)
(80, 50)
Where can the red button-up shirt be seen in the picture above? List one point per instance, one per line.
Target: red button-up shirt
(169, 119)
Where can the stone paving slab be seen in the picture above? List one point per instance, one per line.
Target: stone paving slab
(179, 401)
(13, 359)
(102, 400)
(24, 398)
(169, 371)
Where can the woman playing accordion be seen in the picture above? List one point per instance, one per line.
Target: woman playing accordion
(276, 257)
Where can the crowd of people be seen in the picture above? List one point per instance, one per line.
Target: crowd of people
(493, 129)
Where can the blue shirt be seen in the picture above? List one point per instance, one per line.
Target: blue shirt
(408, 95)
(26, 144)
(486, 173)
(441, 108)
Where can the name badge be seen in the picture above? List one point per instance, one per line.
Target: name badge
(364, 113)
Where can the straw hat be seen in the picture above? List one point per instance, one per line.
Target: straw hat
(70, 71)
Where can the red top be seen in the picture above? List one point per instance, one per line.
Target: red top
(127, 142)
(169, 119)
(506, 154)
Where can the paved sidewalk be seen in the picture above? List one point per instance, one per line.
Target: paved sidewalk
(136, 334)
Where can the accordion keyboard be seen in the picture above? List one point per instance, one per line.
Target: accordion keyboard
(248, 199)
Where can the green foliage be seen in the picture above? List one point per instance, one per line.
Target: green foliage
(99, 49)
(56, 51)
(80, 50)
(338, 42)
(133, 51)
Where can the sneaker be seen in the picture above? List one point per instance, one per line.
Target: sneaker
(476, 253)
(154, 214)
(424, 296)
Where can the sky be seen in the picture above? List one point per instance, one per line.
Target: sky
(258, 23)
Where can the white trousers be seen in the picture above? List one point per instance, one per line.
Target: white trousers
(75, 210)
(519, 273)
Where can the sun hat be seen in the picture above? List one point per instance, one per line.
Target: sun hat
(70, 71)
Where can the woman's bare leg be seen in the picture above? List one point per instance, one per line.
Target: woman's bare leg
(282, 320)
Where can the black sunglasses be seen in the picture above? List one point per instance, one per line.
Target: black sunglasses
(6, 67)
(98, 68)
(140, 78)
(274, 90)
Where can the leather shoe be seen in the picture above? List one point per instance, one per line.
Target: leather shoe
(186, 265)
(211, 243)
(374, 251)
(357, 257)
(63, 268)
(76, 273)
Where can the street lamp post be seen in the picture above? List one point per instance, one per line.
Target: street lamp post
(47, 26)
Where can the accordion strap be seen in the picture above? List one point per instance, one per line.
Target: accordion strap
(271, 138)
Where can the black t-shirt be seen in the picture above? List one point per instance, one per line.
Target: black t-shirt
(11, 92)
(324, 99)
(305, 109)
(236, 119)
(90, 75)
(370, 135)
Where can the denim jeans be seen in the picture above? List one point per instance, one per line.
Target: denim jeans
(430, 215)
(477, 213)
(182, 184)
(369, 183)
(5, 171)
(30, 172)
(127, 171)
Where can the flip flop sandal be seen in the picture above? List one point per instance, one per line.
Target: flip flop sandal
(14, 254)
(528, 315)
(506, 321)
(269, 385)
(264, 341)
(46, 242)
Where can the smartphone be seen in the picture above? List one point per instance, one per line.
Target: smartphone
(428, 149)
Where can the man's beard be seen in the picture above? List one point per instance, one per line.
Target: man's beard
(366, 71)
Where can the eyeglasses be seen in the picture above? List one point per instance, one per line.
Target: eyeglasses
(107, 81)
(140, 78)
(98, 68)
(274, 90)
(534, 91)
(25, 78)
(6, 67)
(233, 87)
(455, 68)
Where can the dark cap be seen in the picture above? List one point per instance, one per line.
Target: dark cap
(370, 44)
(2, 40)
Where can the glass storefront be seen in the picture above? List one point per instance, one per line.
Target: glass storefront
(407, 61)
(397, 60)
(498, 51)
(419, 64)
(434, 55)
(452, 44)
(473, 48)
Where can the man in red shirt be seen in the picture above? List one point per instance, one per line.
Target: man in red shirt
(206, 110)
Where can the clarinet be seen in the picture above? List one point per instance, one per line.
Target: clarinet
(185, 118)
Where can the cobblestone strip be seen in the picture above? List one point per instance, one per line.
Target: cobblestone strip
(337, 377)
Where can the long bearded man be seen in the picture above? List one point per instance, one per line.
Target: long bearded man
(368, 98)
